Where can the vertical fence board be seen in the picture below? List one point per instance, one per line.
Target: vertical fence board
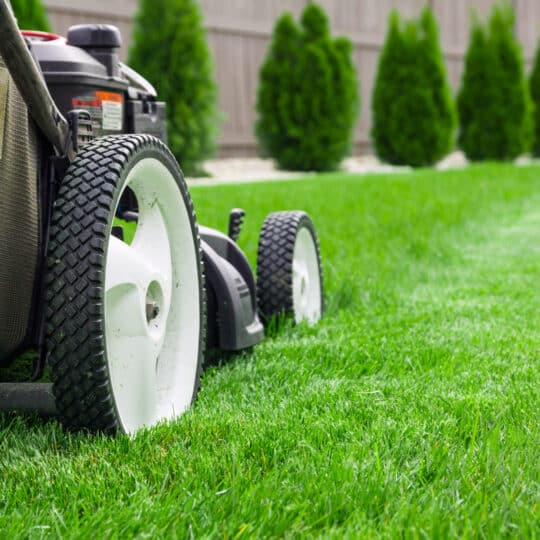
(527, 25)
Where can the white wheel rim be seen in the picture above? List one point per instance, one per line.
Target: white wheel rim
(307, 301)
(153, 357)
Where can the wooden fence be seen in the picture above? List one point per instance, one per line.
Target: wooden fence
(239, 32)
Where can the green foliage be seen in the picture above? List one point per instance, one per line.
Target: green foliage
(307, 100)
(170, 50)
(534, 87)
(31, 15)
(495, 109)
(413, 109)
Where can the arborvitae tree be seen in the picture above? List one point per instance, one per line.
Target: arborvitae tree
(170, 50)
(31, 15)
(495, 109)
(534, 85)
(435, 72)
(413, 109)
(307, 100)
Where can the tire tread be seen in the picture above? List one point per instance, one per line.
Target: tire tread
(275, 260)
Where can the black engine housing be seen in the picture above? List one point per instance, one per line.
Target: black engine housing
(83, 72)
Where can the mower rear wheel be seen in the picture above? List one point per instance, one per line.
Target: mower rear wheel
(125, 322)
(289, 274)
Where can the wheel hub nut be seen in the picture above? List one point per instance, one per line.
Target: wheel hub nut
(152, 310)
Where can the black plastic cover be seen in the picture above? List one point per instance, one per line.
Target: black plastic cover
(58, 58)
(90, 36)
(233, 306)
(147, 117)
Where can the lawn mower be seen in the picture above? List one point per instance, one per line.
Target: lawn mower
(120, 324)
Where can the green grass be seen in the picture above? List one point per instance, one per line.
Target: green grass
(412, 410)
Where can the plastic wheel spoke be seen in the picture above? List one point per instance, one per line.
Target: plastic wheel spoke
(300, 283)
(152, 243)
(125, 266)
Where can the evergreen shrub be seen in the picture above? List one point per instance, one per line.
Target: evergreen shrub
(413, 110)
(307, 98)
(534, 86)
(31, 15)
(170, 50)
(495, 109)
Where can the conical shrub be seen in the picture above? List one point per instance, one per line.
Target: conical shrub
(534, 86)
(413, 110)
(170, 50)
(307, 98)
(31, 15)
(494, 105)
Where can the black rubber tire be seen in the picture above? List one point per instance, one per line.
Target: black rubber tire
(81, 226)
(275, 263)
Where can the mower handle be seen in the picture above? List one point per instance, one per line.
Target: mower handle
(30, 83)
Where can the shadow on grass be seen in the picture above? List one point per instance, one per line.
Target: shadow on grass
(42, 430)
(29, 435)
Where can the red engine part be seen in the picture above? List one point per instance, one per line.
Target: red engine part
(45, 36)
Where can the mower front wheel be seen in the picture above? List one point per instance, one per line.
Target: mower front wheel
(289, 273)
(125, 321)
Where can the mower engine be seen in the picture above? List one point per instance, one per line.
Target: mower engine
(83, 72)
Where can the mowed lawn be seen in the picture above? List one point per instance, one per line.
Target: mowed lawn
(411, 410)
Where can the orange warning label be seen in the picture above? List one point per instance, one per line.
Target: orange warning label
(110, 96)
(106, 109)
